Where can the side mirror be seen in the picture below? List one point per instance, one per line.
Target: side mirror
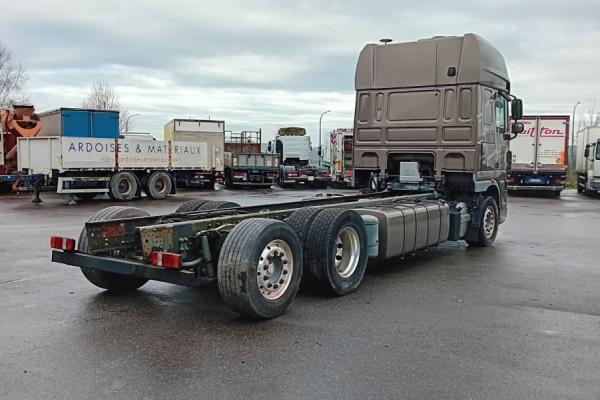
(516, 109)
(517, 127)
(319, 152)
(269, 147)
(586, 152)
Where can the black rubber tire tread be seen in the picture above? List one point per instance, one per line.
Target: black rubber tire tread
(238, 261)
(85, 196)
(113, 186)
(191, 205)
(217, 205)
(318, 245)
(116, 283)
(150, 190)
(481, 240)
(301, 219)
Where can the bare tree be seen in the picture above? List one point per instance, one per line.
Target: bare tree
(12, 79)
(104, 97)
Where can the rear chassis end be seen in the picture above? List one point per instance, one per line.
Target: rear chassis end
(254, 176)
(542, 180)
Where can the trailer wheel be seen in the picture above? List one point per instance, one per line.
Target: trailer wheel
(485, 234)
(85, 196)
(158, 185)
(335, 252)
(107, 280)
(260, 267)
(191, 205)
(123, 186)
(217, 205)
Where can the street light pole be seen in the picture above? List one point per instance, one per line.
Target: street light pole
(573, 125)
(127, 121)
(320, 142)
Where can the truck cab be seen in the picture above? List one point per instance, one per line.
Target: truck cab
(588, 160)
(442, 103)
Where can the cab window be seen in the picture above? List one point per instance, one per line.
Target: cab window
(500, 115)
(597, 151)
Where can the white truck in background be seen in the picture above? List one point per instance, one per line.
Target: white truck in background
(341, 142)
(539, 155)
(588, 160)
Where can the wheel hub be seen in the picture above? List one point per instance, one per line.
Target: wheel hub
(274, 270)
(347, 252)
(489, 222)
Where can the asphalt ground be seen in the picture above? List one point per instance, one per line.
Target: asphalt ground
(520, 320)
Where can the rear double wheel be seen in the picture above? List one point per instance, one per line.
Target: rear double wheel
(335, 252)
(158, 185)
(260, 267)
(123, 186)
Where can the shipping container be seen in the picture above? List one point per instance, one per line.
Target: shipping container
(539, 154)
(79, 122)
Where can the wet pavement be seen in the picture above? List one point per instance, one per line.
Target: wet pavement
(520, 320)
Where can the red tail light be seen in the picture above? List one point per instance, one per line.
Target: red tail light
(61, 243)
(238, 174)
(165, 260)
(271, 174)
(327, 175)
(292, 174)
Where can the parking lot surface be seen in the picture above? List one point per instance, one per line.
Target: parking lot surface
(519, 320)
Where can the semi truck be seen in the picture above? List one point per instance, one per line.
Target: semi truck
(210, 132)
(79, 153)
(341, 143)
(588, 160)
(258, 256)
(539, 155)
(294, 149)
(245, 163)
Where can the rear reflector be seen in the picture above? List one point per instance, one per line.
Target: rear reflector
(165, 260)
(61, 243)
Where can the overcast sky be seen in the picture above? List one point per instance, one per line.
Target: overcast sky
(266, 64)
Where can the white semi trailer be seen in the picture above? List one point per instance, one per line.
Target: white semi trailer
(588, 160)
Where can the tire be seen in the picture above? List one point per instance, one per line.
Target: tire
(482, 236)
(112, 282)
(301, 219)
(158, 185)
(217, 205)
(239, 275)
(330, 229)
(123, 186)
(191, 205)
(85, 196)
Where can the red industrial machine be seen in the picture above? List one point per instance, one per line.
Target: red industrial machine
(19, 121)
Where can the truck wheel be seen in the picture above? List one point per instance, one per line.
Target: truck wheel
(485, 234)
(107, 280)
(191, 205)
(335, 252)
(260, 267)
(85, 196)
(158, 185)
(301, 219)
(217, 205)
(123, 186)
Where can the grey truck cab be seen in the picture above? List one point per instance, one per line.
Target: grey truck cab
(439, 102)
